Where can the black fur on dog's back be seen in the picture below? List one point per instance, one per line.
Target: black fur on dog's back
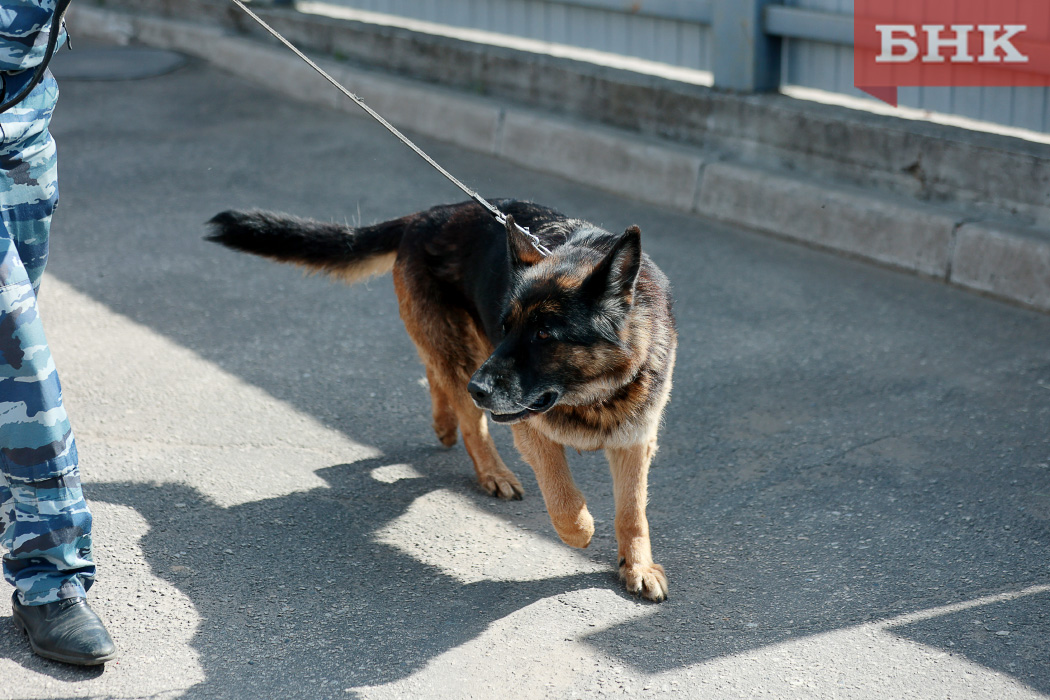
(348, 253)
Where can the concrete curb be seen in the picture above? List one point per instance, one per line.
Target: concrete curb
(890, 231)
(1002, 260)
(1009, 263)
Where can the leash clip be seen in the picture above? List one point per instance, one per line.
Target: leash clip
(534, 240)
(524, 230)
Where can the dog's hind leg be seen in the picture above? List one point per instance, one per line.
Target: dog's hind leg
(630, 474)
(566, 505)
(445, 421)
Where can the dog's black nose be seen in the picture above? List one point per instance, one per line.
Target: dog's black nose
(478, 391)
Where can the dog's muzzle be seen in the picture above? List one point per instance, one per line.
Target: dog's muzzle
(484, 398)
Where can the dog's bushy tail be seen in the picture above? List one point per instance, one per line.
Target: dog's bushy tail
(349, 254)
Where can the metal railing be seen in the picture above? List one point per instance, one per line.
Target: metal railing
(741, 40)
(746, 45)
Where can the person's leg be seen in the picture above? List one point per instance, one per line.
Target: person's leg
(45, 524)
(29, 174)
(47, 534)
(48, 556)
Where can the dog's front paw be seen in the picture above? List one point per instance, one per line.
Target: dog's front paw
(646, 580)
(576, 531)
(505, 486)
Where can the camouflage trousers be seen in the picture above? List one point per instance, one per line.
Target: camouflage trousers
(45, 524)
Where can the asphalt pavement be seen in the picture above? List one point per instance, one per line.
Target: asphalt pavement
(851, 498)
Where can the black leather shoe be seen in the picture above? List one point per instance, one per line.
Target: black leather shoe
(68, 631)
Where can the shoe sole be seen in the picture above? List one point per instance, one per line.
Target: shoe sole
(75, 660)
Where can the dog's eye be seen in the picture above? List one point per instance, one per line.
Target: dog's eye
(542, 335)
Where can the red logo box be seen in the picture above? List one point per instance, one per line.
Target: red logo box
(950, 43)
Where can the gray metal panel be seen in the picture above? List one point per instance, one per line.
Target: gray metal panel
(1030, 107)
(698, 11)
(816, 51)
(692, 46)
(668, 31)
(910, 97)
(967, 102)
(817, 65)
(997, 105)
(688, 10)
(618, 32)
(936, 99)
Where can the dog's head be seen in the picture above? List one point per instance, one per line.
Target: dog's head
(563, 336)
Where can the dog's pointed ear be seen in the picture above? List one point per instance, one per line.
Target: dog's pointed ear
(615, 276)
(519, 247)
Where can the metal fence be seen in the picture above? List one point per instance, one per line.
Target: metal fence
(748, 45)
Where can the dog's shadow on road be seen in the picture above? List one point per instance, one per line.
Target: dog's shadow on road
(297, 589)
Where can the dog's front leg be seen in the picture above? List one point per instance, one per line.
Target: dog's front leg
(565, 504)
(630, 474)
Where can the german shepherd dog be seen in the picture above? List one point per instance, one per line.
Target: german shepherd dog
(572, 349)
